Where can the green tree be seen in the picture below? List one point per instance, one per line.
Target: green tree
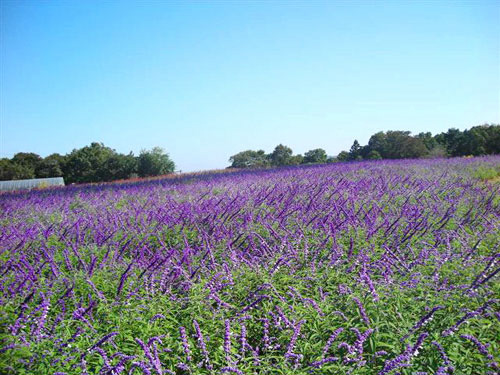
(119, 167)
(12, 171)
(249, 159)
(378, 142)
(343, 156)
(27, 163)
(374, 155)
(452, 140)
(318, 155)
(297, 159)
(282, 155)
(355, 151)
(87, 164)
(411, 147)
(154, 163)
(50, 166)
(428, 140)
(331, 159)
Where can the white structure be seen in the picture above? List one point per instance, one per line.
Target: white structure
(35, 183)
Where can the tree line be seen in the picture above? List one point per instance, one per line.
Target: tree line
(93, 163)
(479, 140)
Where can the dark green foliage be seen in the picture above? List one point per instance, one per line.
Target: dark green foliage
(93, 163)
(317, 155)
(374, 155)
(27, 163)
(282, 155)
(249, 159)
(51, 166)
(343, 156)
(355, 151)
(87, 163)
(154, 162)
(479, 140)
(393, 144)
(12, 171)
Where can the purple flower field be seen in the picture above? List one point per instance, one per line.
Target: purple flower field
(386, 267)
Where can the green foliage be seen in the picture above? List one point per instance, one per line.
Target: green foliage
(87, 164)
(486, 173)
(154, 162)
(51, 166)
(93, 163)
(12, 171)
(282, 155)
(249, 159)
(318, 155)
(374, 155)
(343, 156)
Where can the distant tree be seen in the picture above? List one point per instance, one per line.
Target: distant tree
(282, 155)
(397, 145)
(412, 147)
(331, 159)
(154, 163)
(318, 155)
(119, 167)
(27, 163)
(452, 140)
(249, 159)
(437, 152)
(343, 156)
(378, 142)
(87, 164)
(50, 166)
(428, 140)
(10, 170)
(491, 138)
(394, 144)
(355, 151)
(297, 159)
(374, 155)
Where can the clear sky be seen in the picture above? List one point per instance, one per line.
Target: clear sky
(207, 79)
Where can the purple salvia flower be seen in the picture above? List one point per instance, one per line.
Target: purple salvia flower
(201, 343)
(8, 347)
(157, 316)
(361, 338)
(323, 361)
(331, 339)
(147, 352)
(293, 340)
(183, 366)
(103, 340)
(470, 314)
(185, 344)
(254, 303)
(234, 370)
(43, 318)
(344, 289)
(403, 359)
(424, 320)
(483, 349)
(282, 315)
(102, 353)
(361, 310)
(442, 353)
(266, 339)
(142, 366)
(243, 339)
(227, 340)
(368, 281)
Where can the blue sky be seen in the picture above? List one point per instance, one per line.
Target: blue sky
(205, 80)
